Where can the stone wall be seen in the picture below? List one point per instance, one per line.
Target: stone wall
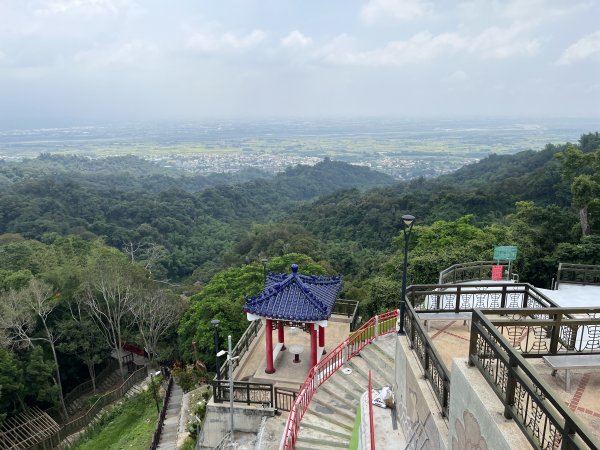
(418, 412)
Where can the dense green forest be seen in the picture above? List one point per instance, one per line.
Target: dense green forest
(187, 248)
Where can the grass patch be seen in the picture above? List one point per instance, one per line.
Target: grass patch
(127, 426)
(354, 439)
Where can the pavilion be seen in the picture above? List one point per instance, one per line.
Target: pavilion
(294, 300)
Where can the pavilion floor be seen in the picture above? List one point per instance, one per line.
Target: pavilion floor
(287, 373)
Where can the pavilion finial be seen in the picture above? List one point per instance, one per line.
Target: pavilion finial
(294, 268)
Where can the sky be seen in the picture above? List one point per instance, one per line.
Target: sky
(91, 60)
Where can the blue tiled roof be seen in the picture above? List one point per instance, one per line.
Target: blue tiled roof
(295, 297)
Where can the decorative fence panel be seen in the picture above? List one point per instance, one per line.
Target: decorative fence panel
(578, 274)
(244, 392)
(461, 273)
(529, 401)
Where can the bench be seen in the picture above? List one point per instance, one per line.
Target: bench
(570, 362)
(428, 317)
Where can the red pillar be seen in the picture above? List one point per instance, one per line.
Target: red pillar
(280, 334)
(313, 345)
(322, 338)
(269, 347)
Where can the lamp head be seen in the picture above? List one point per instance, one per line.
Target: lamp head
(221, 353)
(215, 322)
(407, 221)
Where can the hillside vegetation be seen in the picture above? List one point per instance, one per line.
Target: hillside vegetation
(188, 250)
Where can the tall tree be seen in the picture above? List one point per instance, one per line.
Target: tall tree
(20, 312)
(582, 172)
(109, 292)
(155, 313)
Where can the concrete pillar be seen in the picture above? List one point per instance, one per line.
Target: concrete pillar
(280, 334)
(313, 345)
(269, 346)
(322, 338)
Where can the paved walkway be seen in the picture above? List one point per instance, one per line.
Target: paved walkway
(168, 437)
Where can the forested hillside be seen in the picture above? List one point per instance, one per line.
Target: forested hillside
(192, 249)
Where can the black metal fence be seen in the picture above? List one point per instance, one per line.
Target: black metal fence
(545, 420)
(284, 398)
(241, 347)
(577, 274)
(472, 271)
(435, 298)
(244, 392)
(434, 369)
(161, 418)
(348, 308)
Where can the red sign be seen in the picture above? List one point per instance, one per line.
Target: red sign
(497, 273)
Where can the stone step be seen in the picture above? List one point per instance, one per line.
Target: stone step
(317, 425)
(342, 386)
(313, 443)
(338, 394)
(378, 364)
(361, 366)
(331, 403)
(386, 345)
(327, 418)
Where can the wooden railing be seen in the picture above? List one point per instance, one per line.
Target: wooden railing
(88, 386)
(79, 423)
(376, 326)
(161, 418)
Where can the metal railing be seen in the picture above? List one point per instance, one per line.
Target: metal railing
(161, 418)
(545, 421)
(436, 298)
(284, 398)
(472, 271)
(553, 331)
(348, 308)
(577, 274)
(244, 392)
(434, 369)
(241, 347)
(371, 422)
(329, 364)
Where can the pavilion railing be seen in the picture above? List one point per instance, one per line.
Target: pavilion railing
(329, 364)
(577, 274)
(244, 392)
(471, 271)
(545, 421)
(348, 308)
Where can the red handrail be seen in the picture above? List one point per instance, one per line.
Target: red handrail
(371, 424)
(376, 326)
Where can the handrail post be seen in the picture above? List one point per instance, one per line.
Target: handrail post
(511, 385)
(503, 298)
(555, 333)
(457, 304)
(376, 331)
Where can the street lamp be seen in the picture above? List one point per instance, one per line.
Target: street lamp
(264, 262)
(406, 224)
(215, 324)
(230, 359)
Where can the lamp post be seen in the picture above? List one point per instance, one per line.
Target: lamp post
(230, 359)
(215, 324)
(264, 262)
(406, 224)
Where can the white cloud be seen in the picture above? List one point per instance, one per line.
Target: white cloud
(208, 42)
(136, 52)
(296, 39)
(588, 47)
(491, 43)
(85, 7)
(400, 10)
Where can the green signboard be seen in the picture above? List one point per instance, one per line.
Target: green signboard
(505, 252)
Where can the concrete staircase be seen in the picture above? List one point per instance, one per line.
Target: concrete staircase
(329, 420)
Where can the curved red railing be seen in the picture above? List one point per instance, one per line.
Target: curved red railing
(376, 326)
